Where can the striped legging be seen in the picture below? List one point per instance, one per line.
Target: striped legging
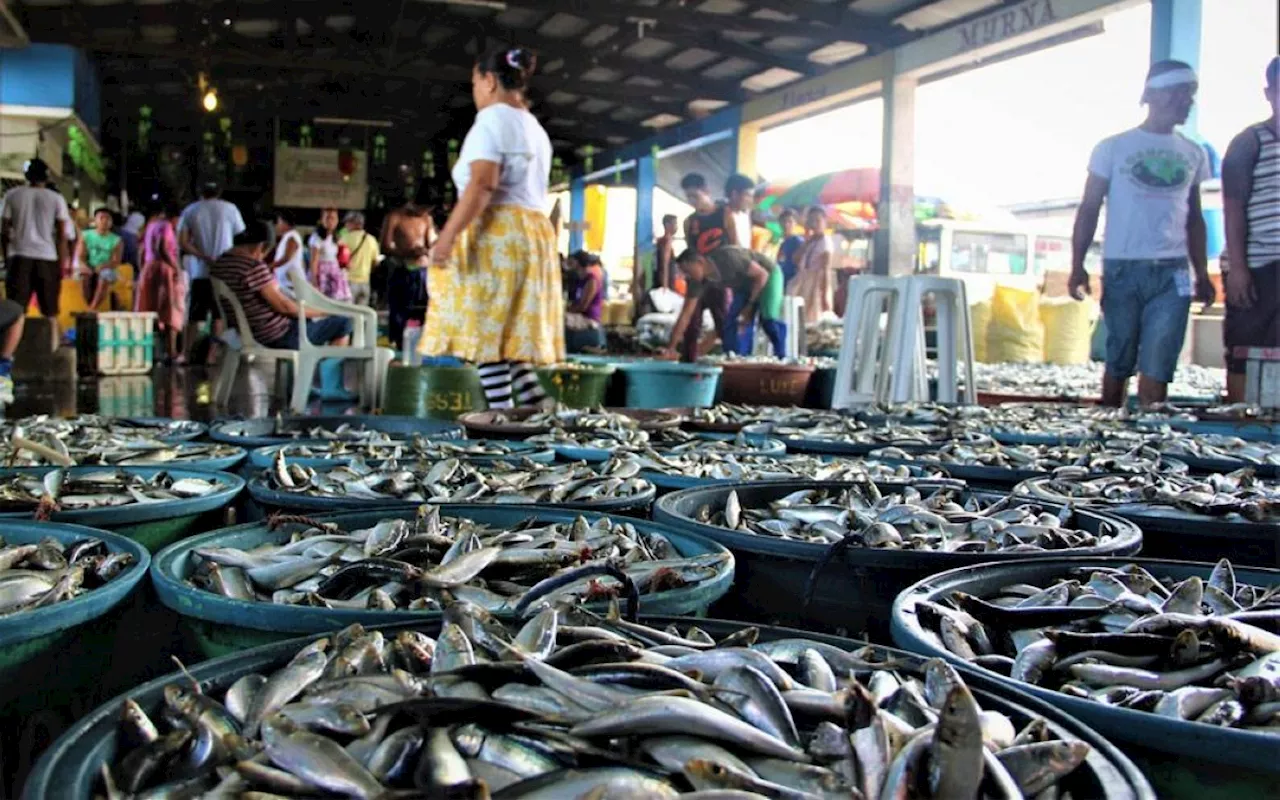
(510, 383)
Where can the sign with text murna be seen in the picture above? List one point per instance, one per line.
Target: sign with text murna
(310, 177)
(1004, 24)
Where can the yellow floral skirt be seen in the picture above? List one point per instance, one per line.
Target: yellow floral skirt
(498, 298)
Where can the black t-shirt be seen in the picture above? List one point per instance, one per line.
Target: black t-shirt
(707, 232)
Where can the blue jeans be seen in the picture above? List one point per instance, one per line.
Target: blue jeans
(1146, 304)
(320, 331)
(741, 339)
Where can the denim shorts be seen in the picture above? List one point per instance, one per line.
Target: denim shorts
(1146, 304)
(320, 331)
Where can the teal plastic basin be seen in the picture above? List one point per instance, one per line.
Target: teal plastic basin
(221, 625)
(669, 384)
(262, 457)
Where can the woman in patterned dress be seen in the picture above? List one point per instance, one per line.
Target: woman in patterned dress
(494, 279)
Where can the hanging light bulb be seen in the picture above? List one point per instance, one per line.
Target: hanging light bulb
(210, 100)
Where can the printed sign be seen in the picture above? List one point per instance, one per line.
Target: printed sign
(309, 177)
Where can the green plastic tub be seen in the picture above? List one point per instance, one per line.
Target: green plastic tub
(1184, 760)
(852, 593)
(220, 625)
(579, 386)
(70, 769)
(153, 525)
(433, 392)
(55, 662)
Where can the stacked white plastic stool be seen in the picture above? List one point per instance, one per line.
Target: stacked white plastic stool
(883, 360)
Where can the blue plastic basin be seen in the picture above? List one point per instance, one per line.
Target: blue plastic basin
(668, 384)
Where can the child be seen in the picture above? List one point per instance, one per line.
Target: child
(99, 250)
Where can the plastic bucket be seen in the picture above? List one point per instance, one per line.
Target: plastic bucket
(70, 769)
(272, 500)
(262, 432)
(822, 388)
(433, 392)
(668, 384)
(852, 593)
(1175, 534)
(219, 625)
(582, 386)
(153, 525)
(55, 663)
(765, 384)
(262, 457)
(1182, 759)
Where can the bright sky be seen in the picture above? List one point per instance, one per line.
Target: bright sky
(1022, 130)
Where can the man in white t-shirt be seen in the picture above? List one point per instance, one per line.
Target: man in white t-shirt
(1150, 179)
(206, 230)
(33, 226)
(738, 195)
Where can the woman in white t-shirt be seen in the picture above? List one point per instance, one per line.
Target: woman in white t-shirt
(494, 281)
(288, 252)
(327, 274)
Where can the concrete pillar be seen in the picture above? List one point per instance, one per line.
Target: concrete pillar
(646, 182)
(895, 242)
(748, 135)
(1175, 34)
(577, 213)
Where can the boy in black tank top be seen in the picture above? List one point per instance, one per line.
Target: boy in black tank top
(708, 228)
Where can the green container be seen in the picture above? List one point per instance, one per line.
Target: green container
(433, 392)
(55, 662)
(580, 386)
(220, 625)
(152, 525)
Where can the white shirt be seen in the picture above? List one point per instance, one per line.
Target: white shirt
(282, 271)
(1151, 175)
(327, 247)
(742, 228)
(512, 138)
(33, 213)
(213, 224)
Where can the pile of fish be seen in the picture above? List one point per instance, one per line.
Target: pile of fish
(737, 467)
(456, 481)
(49, 572)
(1091, 457)
(60, 490)
(416, 564)
(906, 519)
(573, 418)
(1083, 380)
(668, 441)
(299, 429)
(1206, 445)
(415, 448)
(88, 425)
(1237, 493)
(730, 414)
(1195, 649)
(824, 337)
(41, 441)
(575, 705)
(848, 430)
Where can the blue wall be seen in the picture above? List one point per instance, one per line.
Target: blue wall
(52, 76)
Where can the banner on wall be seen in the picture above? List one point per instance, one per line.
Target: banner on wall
(311, 177)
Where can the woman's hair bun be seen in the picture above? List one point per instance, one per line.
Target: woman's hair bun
(513, 64)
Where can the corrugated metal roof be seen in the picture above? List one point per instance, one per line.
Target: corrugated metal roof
(609, 68)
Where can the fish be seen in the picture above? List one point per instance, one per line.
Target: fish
(86, 489)
(610, 728)
(51, 571)
(422, 561)
(91, 440)
(1122, 636)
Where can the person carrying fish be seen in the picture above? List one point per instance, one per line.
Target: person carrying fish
(756, 283)
(1251, 208)
(1150, 179)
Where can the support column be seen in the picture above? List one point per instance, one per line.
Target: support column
(748, 136)
(577, 213)
(646, 181)
(1175, 34)
(895, 241)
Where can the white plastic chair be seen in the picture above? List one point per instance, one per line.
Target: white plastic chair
(868, 348)
(248, 348)
(363, 347)
(954, 335)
